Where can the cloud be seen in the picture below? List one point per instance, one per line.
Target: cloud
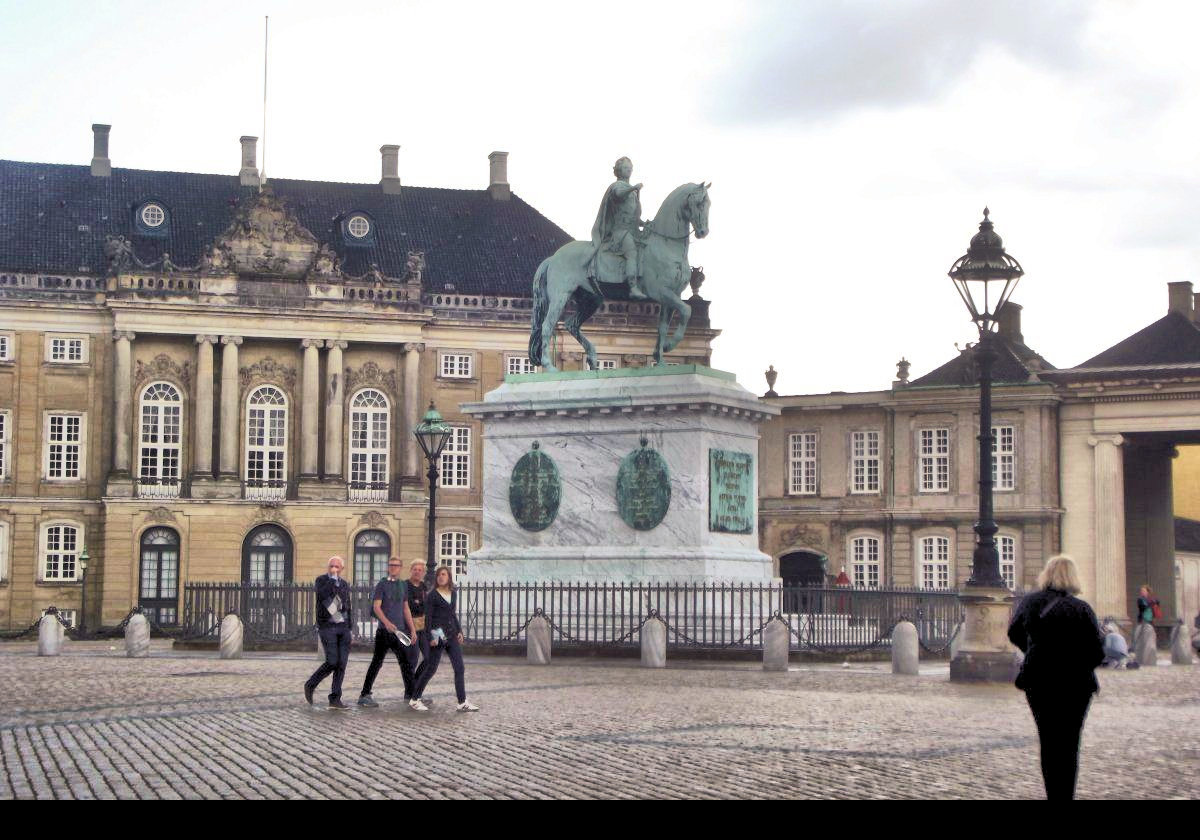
(819, 59)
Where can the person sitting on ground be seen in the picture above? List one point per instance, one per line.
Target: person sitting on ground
(1116, 649)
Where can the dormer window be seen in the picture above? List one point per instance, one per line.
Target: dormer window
(358, 227)
(152, 219)
(153, 215)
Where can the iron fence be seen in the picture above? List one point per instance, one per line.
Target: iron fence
(696, 615)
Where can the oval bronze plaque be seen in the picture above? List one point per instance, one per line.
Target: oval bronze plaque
(534, 490)
(643, 488)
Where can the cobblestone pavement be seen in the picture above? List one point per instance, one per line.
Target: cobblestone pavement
(92, 724)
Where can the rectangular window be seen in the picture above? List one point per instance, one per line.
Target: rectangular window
(6, 347)
(935, 563)
(864, 448)
(453, 551)
(1007, 548)
(455, 365)
(864, 561)
(1004, 458)
(519, 364)
(66, 350)
(5, 423)
(802, 459)
(935, 460)
(606, 364)
(64, 444)
(456, 459)
(60, 560)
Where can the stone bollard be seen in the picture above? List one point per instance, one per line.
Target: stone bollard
(906, 651)
(50, 635)
(1145, 645)
(537, 641)
(1181, 645)
(137, 637)
(654, 643)
(231, 637)
(776, 640)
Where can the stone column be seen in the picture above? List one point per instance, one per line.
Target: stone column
(412, 407)
(311, 407)
(334, 409)
(230, 404)
(1108, 592)
(202, 448)
(122, 401)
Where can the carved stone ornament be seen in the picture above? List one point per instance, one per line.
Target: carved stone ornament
(373, 519)
(414, 267)
(119, 252)
(806, 536)
(163, 366)
(161, 516)
(265, 238)
(371, 375)
(268, 513)
(326, 263)
(268, 371)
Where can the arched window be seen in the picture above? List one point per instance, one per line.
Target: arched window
(267, 555)
(933, 556)
(1006, 546)
(61, 544)
(864, 561)
(159, 591)
(369, 422)
(453, 547)
(371, 552)
(266, 444)
(160, 438)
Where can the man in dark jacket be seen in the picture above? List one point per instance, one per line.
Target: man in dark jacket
(333, 626)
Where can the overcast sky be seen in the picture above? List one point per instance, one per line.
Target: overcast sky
(851, 145)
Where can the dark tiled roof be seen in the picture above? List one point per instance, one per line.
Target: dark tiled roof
(1015, 364)
(54, 219)
(1187, 535)
(1171, 340)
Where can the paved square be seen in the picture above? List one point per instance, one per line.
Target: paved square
(92, 724)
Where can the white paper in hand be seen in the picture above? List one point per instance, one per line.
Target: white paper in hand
(335, 609)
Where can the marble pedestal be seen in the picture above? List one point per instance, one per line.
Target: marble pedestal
(985, 654)
(587, 422)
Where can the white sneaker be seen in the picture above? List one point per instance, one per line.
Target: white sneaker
(467, 706)
(417, 706)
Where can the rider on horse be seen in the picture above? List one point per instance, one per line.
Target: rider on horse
(616, 224)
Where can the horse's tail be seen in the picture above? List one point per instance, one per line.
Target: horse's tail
(541, 303)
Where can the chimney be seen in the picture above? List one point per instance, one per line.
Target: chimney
(1008, 321)
(249, 174)
(391, 170)
(101, 165)
(1179, 298)
(499, 188)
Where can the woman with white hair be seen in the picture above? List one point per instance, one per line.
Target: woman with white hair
(1063, 644)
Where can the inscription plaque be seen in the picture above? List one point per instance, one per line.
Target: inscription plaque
(534, 490)
(730, 491)
(643, 488)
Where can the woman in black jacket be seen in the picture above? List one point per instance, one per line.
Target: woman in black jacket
(445, 633)
(1063, 645)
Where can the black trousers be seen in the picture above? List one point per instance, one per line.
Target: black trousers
(430, 666)
(384, 642)
(1059, 717)
(419, 647)
(336, 640)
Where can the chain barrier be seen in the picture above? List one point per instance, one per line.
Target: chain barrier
(945, 647)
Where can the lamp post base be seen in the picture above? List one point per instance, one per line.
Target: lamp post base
(984, 655)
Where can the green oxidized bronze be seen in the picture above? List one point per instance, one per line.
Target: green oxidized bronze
(730, 491)
(643, 488)
(534, 490)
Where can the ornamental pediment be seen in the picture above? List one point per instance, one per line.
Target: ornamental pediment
(264, 238)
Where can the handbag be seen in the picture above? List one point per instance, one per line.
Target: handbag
(418, 623)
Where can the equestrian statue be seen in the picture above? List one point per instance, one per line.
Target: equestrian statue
(625, 260)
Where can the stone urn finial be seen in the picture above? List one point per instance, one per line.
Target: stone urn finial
(771, 374)
(902, 371)
(696, 279)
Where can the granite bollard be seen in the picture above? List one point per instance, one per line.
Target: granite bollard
(776, 638)
(906, 651)
(1181, 645)
(1145, 645)
(231, 637)
(50, 635)
(537, 641)
(654, 643)
(137, 637)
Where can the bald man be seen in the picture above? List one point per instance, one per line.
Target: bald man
(333, 625)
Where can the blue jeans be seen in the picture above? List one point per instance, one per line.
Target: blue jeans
(430, 666)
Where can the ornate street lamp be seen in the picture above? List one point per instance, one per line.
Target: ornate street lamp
(432, 434)
(83, 566)
(985, 278)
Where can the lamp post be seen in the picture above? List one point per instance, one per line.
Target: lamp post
(432, 434)
(985, 278)
(83, 566)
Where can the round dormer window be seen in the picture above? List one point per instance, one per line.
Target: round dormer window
(358, 226)
(153, 215)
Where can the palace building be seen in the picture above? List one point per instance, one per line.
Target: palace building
(213, 378)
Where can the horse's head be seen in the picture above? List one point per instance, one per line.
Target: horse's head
(696, 209)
